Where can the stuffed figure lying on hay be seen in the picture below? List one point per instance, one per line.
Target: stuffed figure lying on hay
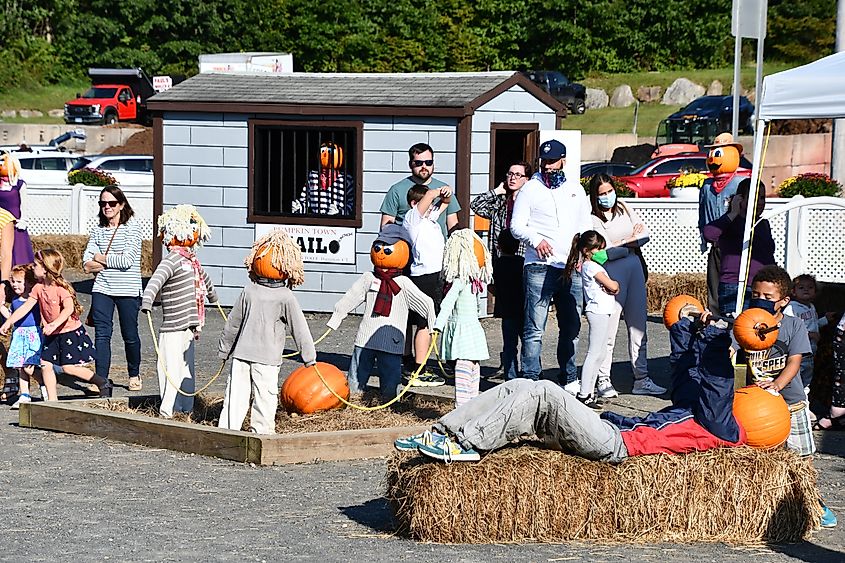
(714, 494)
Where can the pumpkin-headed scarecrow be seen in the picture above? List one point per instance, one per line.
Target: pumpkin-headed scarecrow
(254, 336)
(15, 246)
(329, 190)
(387, 296)
(184, 287)
(714, 200)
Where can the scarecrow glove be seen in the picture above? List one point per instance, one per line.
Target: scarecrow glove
(21, 224)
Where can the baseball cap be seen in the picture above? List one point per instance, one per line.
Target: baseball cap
(552, 150)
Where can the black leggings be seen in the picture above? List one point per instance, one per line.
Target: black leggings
(838, 390)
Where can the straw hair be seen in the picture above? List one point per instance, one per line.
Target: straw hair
(521, 494)
(459, 262)
(13, 166)
(180, 222)
(285, 255)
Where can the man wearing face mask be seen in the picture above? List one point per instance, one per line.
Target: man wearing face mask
(549, 212)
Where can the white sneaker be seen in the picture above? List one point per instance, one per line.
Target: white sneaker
(573, 387)
(646, 386)
(25, 398)
(606, 390)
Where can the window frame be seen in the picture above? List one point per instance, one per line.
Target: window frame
(291, 219)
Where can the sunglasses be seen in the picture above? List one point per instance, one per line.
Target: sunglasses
(418, 163)
(388, 249)
(111, 204)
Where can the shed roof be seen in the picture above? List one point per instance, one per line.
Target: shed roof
(455, 90)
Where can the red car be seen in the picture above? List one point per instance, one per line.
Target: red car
(649, 180)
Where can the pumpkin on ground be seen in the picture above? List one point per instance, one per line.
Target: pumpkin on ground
(764, 417)
(749, 329)
(678, 306)
(304, 392)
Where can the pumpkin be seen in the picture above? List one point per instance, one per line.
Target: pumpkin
(263, 266)
(4, 168)
(723, 160)
(749, 329)
(304, 392)
(764, 417)
(678, 307)
(478, 248)
(186, 243)
(394, 255)
(331, 155)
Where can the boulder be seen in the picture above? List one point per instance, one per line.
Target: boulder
(596, 98)
(648, 94)
(622, 97)
(25, 113)
(8, 113)
(681, 92)
(715, 88)
(56, 113)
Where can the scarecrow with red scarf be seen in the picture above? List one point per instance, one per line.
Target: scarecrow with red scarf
(714, 201)
(387, 296)
(330, 190)
(184, 287)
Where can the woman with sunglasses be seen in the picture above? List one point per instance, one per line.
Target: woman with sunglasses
(113, 255)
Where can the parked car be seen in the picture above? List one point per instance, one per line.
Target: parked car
(571, 94)
(718, 110)
(45, 168)
(649, 180)
(127, 169)
(590, 169)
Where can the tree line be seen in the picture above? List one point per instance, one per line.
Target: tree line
(50, 41)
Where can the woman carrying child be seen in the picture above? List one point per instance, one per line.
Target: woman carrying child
(65, 341)
(588, 250)
(466, 268)
(25, 351)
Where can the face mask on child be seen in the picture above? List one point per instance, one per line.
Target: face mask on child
(765, 304)
(600, 256)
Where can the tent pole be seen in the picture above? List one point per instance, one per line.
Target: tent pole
(756, 172)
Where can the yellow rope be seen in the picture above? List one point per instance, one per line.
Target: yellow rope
(292, 354)
(164, 368)
(394, 399)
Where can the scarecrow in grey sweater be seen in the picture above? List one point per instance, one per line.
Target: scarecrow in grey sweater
(387, 296)
(254, 336)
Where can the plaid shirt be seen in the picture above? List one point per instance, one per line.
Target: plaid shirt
(494, 207)
(336, 199)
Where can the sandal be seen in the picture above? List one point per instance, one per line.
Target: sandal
(837, 423)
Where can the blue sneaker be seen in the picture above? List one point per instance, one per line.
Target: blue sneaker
(448, 450)
(828, 517)
(412, 443)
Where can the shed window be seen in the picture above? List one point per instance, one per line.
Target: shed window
(305, 173)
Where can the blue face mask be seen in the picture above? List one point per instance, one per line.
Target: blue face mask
(765, 304)
(607, 200)
(555, 178)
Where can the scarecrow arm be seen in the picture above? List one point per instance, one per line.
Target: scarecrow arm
(232, 329)
(299, 330)
(448, 305)
(353, 297)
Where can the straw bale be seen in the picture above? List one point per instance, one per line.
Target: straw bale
(72, 246)
(522, 494)
(660, 288)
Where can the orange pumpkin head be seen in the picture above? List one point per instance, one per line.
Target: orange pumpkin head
(182, 225)
(764, 417)
(187, 243)
(10, 168)
(480, 255)
(331, 156)
(263, 267)
(678, 307)
(304, 392)
(394, 255)
(723, 157)
(276, 256)
(755, 330)
(4, 168)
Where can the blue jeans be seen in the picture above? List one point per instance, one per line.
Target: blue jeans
(543, 285)
(511, 335)
(728, 293)
(389, 371)
(102, 314)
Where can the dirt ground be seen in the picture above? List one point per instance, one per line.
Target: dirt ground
(68, 497)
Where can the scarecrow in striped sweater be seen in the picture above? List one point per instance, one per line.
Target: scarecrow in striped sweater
(184, 287)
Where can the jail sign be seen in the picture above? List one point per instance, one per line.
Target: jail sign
(322, 245)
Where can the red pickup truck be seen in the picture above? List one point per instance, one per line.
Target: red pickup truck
(115, 94)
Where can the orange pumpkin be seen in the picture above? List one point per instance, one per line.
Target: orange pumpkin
(764, 417)
(331, 155)
(390, 255)
(478, 248)
(749, 327)
(304, 392)
(186, 243)
(723, 160)
(263, 267)
(4, 168)
(678, 306)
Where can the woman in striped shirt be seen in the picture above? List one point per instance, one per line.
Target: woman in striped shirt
(113, 254)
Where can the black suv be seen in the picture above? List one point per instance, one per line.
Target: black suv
(571, 94)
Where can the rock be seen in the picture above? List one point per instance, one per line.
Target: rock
(36, 113)
(648, 94)
(681, 92)
(29, 113)
(56, 113)
(715, 88)
(622, 97)
(596, 98)
(8, 113)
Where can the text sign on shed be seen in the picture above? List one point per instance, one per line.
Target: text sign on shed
(326, 245)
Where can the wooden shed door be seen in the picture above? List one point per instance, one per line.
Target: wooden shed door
(509, 143)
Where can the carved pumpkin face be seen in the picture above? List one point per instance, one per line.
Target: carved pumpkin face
(723, 160)
(390, 255)
(331, 156)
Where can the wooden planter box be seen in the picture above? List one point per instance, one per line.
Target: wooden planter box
(78, 417)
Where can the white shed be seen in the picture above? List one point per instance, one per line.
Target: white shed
(242, 147)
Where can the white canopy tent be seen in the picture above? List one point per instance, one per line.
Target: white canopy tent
(815, 90)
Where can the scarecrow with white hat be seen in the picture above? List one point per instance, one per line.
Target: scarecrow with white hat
(714, 200)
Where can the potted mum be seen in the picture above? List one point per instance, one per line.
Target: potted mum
(687, 185)
(811, 184)
(90, 177)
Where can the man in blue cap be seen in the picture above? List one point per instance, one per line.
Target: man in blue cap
(548, 213)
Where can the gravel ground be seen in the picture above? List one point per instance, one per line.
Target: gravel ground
(79, 498)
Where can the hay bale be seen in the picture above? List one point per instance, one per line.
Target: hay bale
(72, 247)
(660, 288)
(733, 495)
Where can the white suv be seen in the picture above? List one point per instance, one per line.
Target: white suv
(127, 169)
(48, 168)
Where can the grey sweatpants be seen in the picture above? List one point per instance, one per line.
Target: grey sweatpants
(522, 407)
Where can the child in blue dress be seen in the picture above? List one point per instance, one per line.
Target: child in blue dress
(25, 349)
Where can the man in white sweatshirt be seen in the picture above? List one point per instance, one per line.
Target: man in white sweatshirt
(548, 213)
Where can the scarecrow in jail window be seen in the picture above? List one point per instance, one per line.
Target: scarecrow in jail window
(329, 190)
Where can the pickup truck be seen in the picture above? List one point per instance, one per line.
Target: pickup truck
(116, 94)
(571, 94)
